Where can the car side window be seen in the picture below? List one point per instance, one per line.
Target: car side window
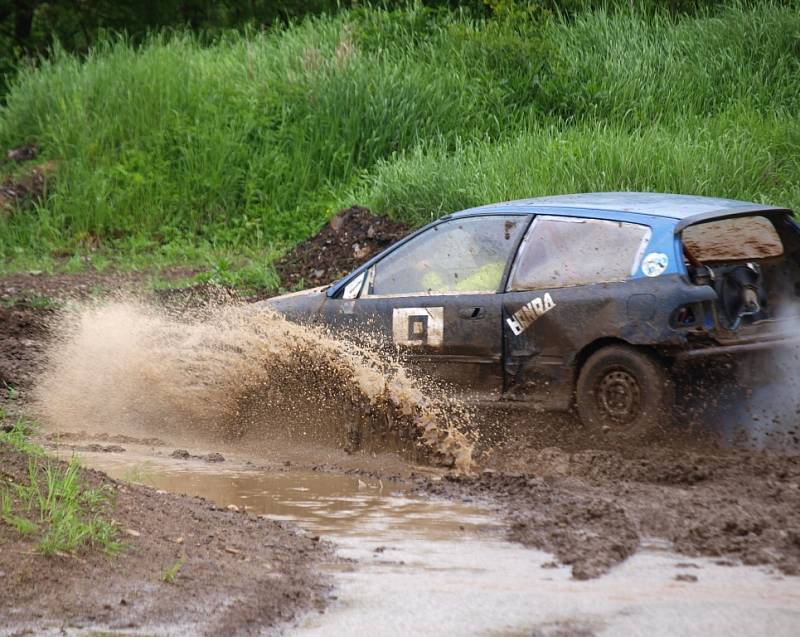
(567, 251)
(460, 255)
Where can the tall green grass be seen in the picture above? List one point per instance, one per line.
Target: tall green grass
(739, 154)
(173, 150)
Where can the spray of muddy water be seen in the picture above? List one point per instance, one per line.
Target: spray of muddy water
(759, 407)
(233, 370)
(768, 415)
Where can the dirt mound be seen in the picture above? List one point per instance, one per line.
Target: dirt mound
(345, 242)
(27, 186)
(239, 573)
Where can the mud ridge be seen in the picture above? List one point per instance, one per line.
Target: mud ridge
(594, 508)
(345, 242)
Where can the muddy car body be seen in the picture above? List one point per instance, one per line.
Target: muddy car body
(592, 301)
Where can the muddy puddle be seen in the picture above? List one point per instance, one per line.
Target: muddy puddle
(414, 565)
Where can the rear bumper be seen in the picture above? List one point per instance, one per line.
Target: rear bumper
(739, 348)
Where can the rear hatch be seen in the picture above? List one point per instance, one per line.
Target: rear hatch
(753, 264)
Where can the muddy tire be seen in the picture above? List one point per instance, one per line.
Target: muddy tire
(624, 394)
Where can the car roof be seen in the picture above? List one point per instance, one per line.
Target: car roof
(684, 208)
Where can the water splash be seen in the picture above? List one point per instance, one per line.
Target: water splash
(230, 370)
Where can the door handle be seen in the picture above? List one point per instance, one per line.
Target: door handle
(472, 313)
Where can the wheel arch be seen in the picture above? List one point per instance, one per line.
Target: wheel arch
(583, 355)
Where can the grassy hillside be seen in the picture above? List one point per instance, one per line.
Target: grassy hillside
(173, 151)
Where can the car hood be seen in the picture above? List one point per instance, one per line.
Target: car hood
(297, 306)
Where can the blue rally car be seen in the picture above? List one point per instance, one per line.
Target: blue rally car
(589, 301)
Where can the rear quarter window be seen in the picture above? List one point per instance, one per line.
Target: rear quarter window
(565, 251)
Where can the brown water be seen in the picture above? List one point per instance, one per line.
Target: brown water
(430, 567)
(231, 370)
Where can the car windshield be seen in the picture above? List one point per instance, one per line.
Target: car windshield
(461, 255)
(736, 239)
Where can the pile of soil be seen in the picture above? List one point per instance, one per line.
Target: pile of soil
(240, 574)
(593, 508)
(346, 241)
(23, 331)
(28, 186)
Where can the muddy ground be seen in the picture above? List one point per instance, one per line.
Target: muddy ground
(239, 573)
(591, 505)
(593, 508)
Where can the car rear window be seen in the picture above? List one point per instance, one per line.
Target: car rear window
(566, 251)
(736, 239)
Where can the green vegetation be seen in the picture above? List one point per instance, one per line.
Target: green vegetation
(170, 573)
(37, 302)
(51, 502)
(223, 154)
(736, 154)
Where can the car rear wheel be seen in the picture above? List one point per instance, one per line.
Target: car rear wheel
(624, 393)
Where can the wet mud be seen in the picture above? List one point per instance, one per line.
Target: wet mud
(23, 337)
(239, 573)
(594, 508)
(440, 566)
(592, 505)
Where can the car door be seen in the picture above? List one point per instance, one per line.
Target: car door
(567, 288)
(435, 299)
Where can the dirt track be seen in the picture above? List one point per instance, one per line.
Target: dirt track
(240, 574)
(591, 507)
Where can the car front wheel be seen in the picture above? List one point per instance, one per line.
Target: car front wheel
(624, 393)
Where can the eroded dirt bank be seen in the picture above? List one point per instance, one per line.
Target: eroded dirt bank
(239, 574)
